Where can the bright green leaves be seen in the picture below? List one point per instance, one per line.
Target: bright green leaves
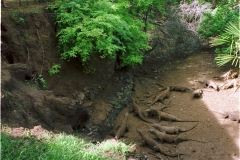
(55, 69)
(222, 25)
(89, 27)
(148, 8)
(214, 23)
(229, 42)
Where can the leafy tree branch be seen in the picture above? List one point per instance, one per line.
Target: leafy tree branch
(89, 27)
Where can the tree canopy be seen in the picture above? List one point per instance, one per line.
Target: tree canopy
(118, 29)
(112, 29)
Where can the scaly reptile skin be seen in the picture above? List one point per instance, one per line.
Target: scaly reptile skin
(161, 96)
(154, 145)
(137, 110)
(172, 129)
(122, 128)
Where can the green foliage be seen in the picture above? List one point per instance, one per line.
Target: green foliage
(42, 81)
(115, 147)
(31, 85)
(116, 105)
(16, 17)
(69, 147)
(64, 147)
(229, 43)
(215, 22)
(19, 106)
(147, 7)
(18, 148)
(146, 10)
(231, 3)
(89, 27)
(55, 69)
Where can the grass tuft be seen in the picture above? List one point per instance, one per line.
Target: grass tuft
(62, 147)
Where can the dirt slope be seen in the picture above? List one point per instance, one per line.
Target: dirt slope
(29, 45)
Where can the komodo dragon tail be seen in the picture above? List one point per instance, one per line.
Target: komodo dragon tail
(186, 130)
(182, 120)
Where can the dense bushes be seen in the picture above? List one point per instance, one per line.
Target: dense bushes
(228, 41)
(89, 27)
(117, 29)
(222, 26)
(216, 21)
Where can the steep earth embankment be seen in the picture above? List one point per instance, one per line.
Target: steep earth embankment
(29, 49)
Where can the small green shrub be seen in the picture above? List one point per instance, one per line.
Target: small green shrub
(55, 69)
(42, 81)
(116, 105)
(16, 17)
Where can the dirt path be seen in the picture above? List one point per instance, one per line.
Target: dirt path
(221, 135)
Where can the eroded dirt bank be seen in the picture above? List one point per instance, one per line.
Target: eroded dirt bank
(29, 49)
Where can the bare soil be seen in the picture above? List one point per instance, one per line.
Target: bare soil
(41, 111)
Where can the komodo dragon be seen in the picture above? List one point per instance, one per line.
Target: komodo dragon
(138, 112)
(170, 117)
(208, 83)
(155, 146)
(179, 88)
(234, 115)
(151, 110)
(168, 137)
(197, 93)
(122, 128)
(161, 96)
(172, 129)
